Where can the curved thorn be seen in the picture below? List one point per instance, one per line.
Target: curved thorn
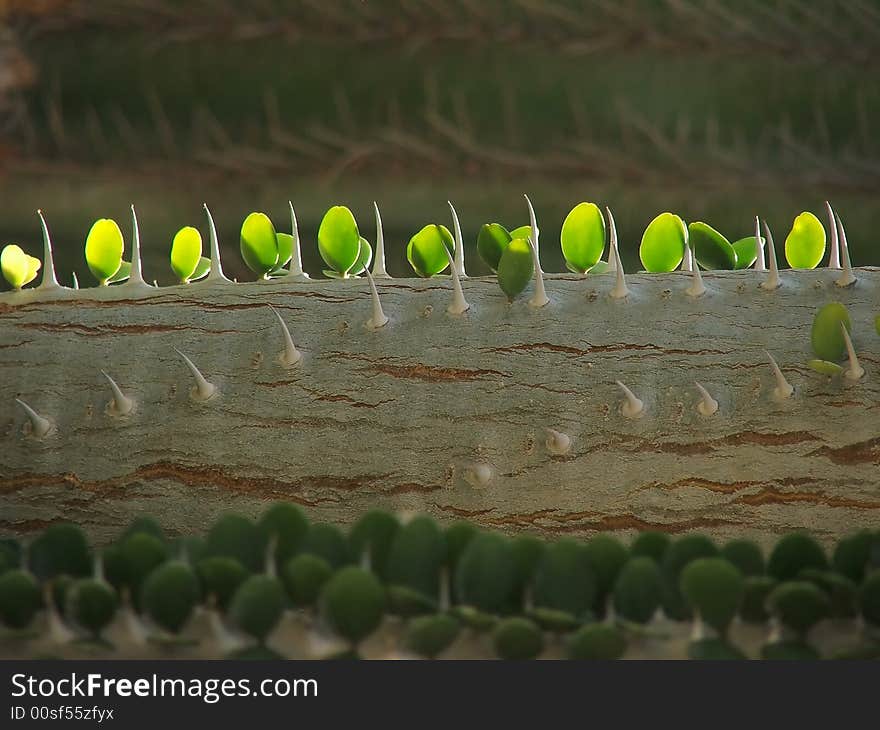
(296, 267)
(687, 261)
(557, 443)
(620, 290)
(291, 356)
(772, 281)
(379, 271)
(378, 318)
(783, 388)
(121, 404)
(707, 406)
(632, 407)
(697, 288)
(136, 277)
(611, 263)
(75, 280)
(49, 281)
(216, 272)
(533, 224)
(39, 425)
(846, 278)
(834, 256)
(539, 298)
(760, 264)
(855, 371)
(203, 390)
(459, 304)
(459, 242)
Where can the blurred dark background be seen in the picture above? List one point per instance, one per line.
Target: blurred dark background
(715, 109)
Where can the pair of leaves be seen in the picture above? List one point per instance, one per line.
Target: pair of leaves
(425, 251)
(341, 245)
(104, 249)
(265, 251)
(826, 338)
(509, 256)
(187, 261)
(18, 267)
(712, 250)
(583, 237)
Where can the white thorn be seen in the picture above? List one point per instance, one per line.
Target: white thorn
(620, 290)
(216, 272)
(478, 475)
(379, 271)
(75, 280)
(760, 265)
(846, 275)
(687, 261)
(834, 256)
(707, 406)
(48, 281)
(557, 443)
(539, 298)
(783, 388)
(203, 390)
(697, 288)
(39, 426)
(136, 277)
(632, 407)
(459, 304)
(291, 356)
(855, 371)
(459, 243)
(378, 319)
(296, 266)
(772, 281)
(121, 404)
(533, 224)
(611, 263)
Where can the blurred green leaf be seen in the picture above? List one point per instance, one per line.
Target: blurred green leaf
(746, 251)
(825, 367)
(711, 249)
(492, 239)
(663, 242)
(339, 239)
(104, 247)
(515, 268)
(521, 232)
(186, 250)
(805, 244)
(122, 273)
(18, 267)
(365, 256)
(583, 237)
(259, 243)
(825, 336)
(425, 250)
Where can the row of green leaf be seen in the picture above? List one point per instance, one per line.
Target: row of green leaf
(594, 595)
(507, 252)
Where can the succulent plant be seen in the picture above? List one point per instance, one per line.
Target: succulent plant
(596, 641)
(417, 557)
(486, 574)
(257, 605)
(607, 556)
(517, 638)
(756, 589)
(841, 591)
(793, 553)
(235, 536)
(352, 602)
(638, 590)
(714, 649)
(91, 604)
(713, 588)
(219, 577)
(746, 555)
(681, 552)
(20, 599)
(798, 605)
(565, 578)
(19, 268)
(371, 538)
(303, 577)
(170, 594)
(650, 544)
(429, 636)
(60, 549)
(852, 554)
(328, 542)
(284, 526)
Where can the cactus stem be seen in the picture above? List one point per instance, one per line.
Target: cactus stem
(772, 282)
(49, 281)
(121, 404)
(834, 256)
(459, 243)
(533, 224)
(290, 356)
(203, 390)
(760, 264)
(707, 406)
(557, 443)
(855, 371)
(459, 304)
(539, 298)
(378, 318)
(39, 426)
(846, 275)
(216, 273)
(620, 290)
(296, 267)
(379, 271)
(783, 388)
(631, 407)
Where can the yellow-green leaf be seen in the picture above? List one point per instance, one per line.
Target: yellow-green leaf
(259, 243)
(339, 239)
(492, 239)
(826, 336)
(583, 236)
(663, 242)
(186, 251)
(104, 247)
(18, 267)
(425, 250)
(805, 244)
(515, 268)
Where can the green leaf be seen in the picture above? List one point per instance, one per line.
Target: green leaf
(259, 243)
(18, 267)
(285, 249)
(746, 251)
(365, 256)
(711, 249)
(663, 242)
(121, 274)
(104, 249)
(492, 239)
(425, 250)
(186, 251)
(805, 244)
(600, 267)
(826, 337)
(521, 232)
(203, 268)
(583, 236)
(339, 239)
(824, 367)
(515, 268)
(713, 588)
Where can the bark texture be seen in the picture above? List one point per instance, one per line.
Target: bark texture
(411, 415)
